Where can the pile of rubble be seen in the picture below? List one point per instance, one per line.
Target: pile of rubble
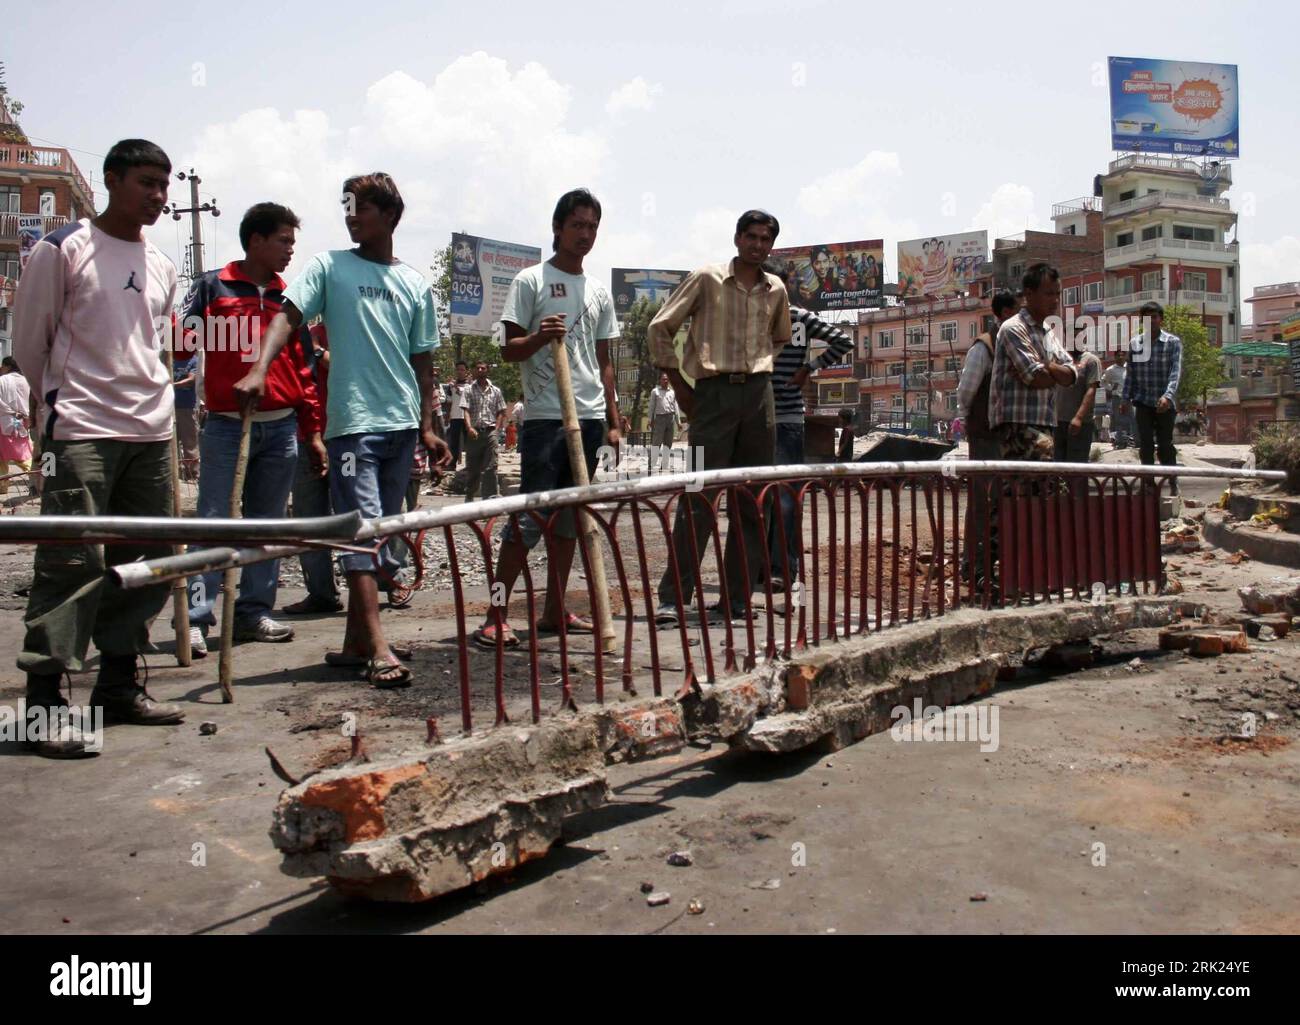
(1267, 614)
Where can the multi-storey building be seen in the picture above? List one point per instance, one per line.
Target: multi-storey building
(1270, 305)
(34, 180)
(909, 358)
(1260, 385)
(1166, 222)
(1075, 249)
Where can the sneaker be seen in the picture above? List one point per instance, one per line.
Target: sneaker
(266, 630)
(198, 643)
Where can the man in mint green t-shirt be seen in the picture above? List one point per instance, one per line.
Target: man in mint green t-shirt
(556, 300)
(379, 315)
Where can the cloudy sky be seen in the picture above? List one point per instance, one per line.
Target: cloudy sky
(848, 120)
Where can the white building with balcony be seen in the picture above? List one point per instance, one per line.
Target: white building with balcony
(1170, 236)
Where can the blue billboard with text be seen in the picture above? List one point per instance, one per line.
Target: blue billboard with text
(1178, 107)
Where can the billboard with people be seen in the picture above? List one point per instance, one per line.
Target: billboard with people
(833, 275)
(941, 264)
(1179, 107)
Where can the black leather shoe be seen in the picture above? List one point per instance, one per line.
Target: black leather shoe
(136, 708)
(126, 701)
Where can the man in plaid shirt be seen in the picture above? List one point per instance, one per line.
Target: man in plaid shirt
(485, 412)
(1154, 371)
(1027, 367)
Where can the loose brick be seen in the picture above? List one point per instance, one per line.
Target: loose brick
(798, 687)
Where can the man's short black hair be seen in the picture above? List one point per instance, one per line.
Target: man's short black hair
(846, 415)
(1152, 309)
(131, 153)
(377, 188)
(462, 363)
(9, 362)
(265, 219)
(752, 217)
(1004, 300)
(1037, 274)
(564, 209)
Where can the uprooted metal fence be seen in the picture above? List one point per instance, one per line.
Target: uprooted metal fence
(878, 545)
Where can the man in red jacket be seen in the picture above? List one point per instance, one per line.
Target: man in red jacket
(228, 310)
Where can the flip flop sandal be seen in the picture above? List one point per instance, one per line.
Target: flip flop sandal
(573, 624)
(376, 666)
(341, 661)
(485, 637)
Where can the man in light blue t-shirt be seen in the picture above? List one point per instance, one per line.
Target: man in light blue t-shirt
(379, 316)
(551, 301)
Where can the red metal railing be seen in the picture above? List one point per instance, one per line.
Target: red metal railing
(879, 545)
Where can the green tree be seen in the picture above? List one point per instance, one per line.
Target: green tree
(1202, 362)
(470, 348)
(635, 332)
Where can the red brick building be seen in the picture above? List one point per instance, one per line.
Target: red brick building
(35, 180)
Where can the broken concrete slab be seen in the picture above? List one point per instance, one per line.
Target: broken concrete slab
(413, 827)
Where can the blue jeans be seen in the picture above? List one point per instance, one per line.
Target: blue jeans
(789, 451)
(369, 474)
(272, 466)
(311, 497)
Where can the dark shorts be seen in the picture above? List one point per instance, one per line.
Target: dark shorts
(544, 466)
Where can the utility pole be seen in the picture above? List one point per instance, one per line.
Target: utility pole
(180, 606)
(196, 225)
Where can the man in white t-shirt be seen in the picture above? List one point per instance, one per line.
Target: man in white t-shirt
(557, 300)
(456, 412)
(663, 413)
(93, 311)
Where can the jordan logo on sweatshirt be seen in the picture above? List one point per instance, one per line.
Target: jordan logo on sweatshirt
(130, 283)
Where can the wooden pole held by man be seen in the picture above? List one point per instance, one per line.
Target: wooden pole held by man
(604, 622)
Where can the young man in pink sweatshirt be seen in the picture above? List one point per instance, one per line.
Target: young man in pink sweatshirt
(94, 305)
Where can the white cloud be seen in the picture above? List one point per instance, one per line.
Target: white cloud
(482, 148)
(1268, 263)
(637, 94)
(1009, 211)
(850, 190)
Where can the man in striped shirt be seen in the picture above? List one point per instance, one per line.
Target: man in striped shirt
(740, 320)
(485, 412)
(789, 374)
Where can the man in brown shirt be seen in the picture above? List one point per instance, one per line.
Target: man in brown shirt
(740, 320)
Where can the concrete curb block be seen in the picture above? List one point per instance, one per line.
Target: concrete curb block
(424, 823)
(1277, 549)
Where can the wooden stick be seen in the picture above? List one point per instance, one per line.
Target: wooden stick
(230, 579)
(180, 597)
(604, 622)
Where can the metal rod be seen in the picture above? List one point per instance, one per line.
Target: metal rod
(141, 574)
(110, 529)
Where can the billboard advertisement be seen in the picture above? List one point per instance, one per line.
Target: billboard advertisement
(1174, 107)
(941, 264)
(31, 229)
(834, 275)
(481, 272)
(628, 284)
